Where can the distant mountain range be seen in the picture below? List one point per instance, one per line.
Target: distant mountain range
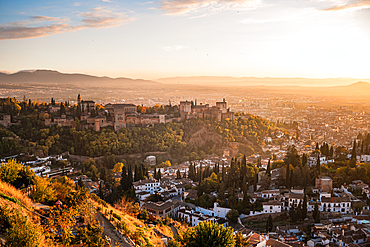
(258, 81)
(51, 78)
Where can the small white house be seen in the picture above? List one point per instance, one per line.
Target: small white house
(271, 207)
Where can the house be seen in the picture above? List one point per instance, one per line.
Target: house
(267, 194)
(271, 207)
(162, 209)
(336, 204)
(312, 160)
(148, 185)
(193, 218)
(291, 198)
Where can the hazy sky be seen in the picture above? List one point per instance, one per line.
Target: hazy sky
(152, 39)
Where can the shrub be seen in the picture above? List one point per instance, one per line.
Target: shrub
(118, 217)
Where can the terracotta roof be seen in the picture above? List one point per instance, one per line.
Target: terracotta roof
(274, 203)
(274, 243)
(161, 205)
(334, 199)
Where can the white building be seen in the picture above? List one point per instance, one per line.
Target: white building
(268, 194)
(271, 207)
(336, 204)
(148, 185)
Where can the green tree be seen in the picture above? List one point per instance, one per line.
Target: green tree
(178, 174)
(20, 231)
(91, 235)
(292, 157)
(60, 222)
(43, 191)
(233, 215)
(9, 172)
(207, 234)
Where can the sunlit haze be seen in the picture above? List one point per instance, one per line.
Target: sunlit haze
(154, 39)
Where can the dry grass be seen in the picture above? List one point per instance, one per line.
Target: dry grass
(31, 218)
(13, 192)
(134, 224)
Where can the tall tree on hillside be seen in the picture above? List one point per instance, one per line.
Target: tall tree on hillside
(318, 165)
(255, 181)
(129, 177)
(245, 197)
(304, 159)
(292, 157)
(135, 174)
(287, 179)
(124, 179)
(304, 207)
(178, 174)
(268, 171)
(331, 151)
(316, 214)
(353, 156)
(269, 225)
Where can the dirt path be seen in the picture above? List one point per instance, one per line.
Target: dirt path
(174, 231)
(110, 231)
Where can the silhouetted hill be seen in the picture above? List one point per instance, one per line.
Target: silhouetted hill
(257, 81)
(52, 76)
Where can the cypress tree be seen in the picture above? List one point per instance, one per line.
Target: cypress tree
(304, 159)
(255, 181)
(245, 197)
(223, 172)
(315, 212)
(353, 156)
(291, 179)
(124, 178)
(101, 192)
(268, 171)
(287, 180)
(304, 207)
(136, 174)
(129, 178)
(155, 173)
(178, 174)
(269, 224)
(318, 165)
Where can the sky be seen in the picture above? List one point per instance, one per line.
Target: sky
(165, 38)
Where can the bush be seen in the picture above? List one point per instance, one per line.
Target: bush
(233, 215)
(118, 217)
(20, 232)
